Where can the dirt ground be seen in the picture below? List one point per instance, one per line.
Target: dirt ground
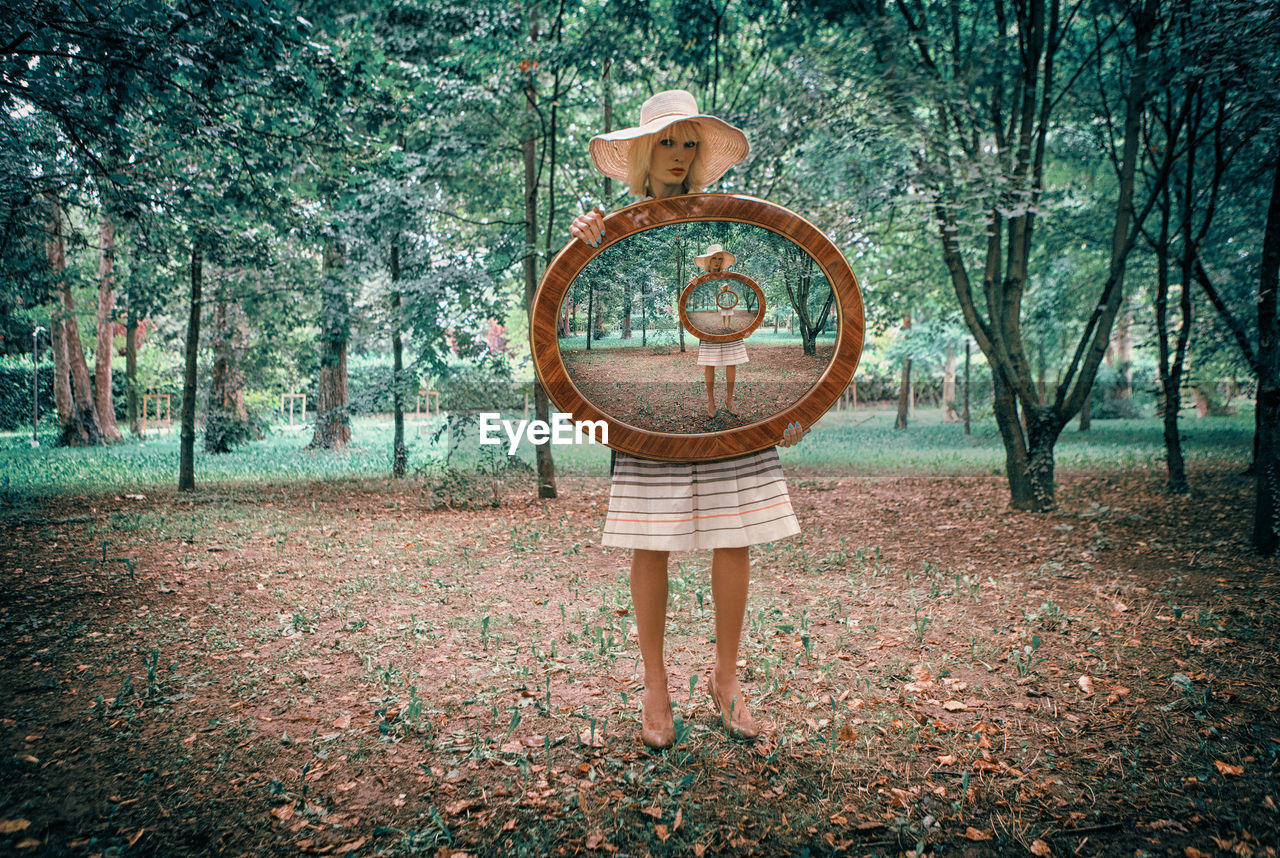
(664, 390)
(338, 669)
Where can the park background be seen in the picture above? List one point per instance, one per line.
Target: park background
(1045, 627)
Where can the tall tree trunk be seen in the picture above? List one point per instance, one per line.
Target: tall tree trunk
(399, 454)
(63, 400)
(966, 386)
(226, 418)
(542, 407)
(131, 368)
(103, 354)
(187, 435)
(904, 387)
(1266, 511)
(82, 429)
(333, 423)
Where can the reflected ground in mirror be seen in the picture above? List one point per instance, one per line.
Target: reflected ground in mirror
(638, 364)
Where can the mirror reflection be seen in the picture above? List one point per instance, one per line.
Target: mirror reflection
(625, 349)
(721, 307)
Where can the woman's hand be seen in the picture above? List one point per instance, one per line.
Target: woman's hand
(792, 435)
(589, 227)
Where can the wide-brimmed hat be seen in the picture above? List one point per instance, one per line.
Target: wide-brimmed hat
(720, 147)
(714, 249)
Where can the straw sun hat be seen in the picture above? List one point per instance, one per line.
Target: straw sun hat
(702, 260)
(720, 148)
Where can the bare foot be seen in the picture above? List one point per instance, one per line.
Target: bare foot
(726, 695)
(657, 725)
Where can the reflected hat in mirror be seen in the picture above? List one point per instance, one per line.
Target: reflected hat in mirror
(720, 147)
(702, 260)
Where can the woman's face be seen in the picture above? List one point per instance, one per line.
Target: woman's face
(670, 161)
(715, 265)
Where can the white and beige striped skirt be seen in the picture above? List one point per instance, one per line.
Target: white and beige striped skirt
(685, 506)
(722, 354)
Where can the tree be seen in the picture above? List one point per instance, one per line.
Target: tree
(975, 88)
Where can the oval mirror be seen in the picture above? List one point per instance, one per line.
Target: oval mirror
(613, 338)
(722, 307)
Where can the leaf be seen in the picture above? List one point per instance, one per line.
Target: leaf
(1228, 769)
(1192, 852)
(356, 844)
(591, 737)
(1040, 848)
(1086, 686)
(342, 722)
(946, 760)
(655, 812)
(976, 834)
(595, 839)
(12, 826)
(283, 812)
(661, 831)
(954, 706)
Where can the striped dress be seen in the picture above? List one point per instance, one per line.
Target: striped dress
(722, 354)
(685, 506)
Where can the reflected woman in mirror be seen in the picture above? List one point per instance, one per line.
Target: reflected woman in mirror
(727, 355)
(659, 507)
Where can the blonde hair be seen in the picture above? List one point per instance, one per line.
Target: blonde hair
(640, 156)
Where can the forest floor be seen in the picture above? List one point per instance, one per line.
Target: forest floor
(664, 390)
(337, 668)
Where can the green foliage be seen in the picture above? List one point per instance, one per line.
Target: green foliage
(15, 393)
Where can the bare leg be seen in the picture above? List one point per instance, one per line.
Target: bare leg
(710, 375)
(649, 597)
(730, 575)
(730, 373)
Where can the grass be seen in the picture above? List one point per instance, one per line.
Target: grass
(858, 442)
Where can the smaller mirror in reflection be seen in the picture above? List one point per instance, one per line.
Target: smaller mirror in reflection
(625, 348)
(721, 305)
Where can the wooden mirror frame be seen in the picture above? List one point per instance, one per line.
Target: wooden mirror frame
(686, 208)
(734, 335)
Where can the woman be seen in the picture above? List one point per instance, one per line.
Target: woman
(658, 507)
(727, 355)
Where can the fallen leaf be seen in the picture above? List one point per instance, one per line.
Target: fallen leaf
(1228, 769)
(1039, 847)
(655, 812)
(921, 673)
(594, 839)
(1192, 852)
(12, 826)
(675, 826)
(847, 734)
(976, 834)
(356, 844)
(954, 706)
(1119, 607)
(28, 843)
(837, 819)
(592, 737)
(699, 850)
(342, 722)
(661, 831)
(283, 812)
(946, 760)
(1086, 686)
